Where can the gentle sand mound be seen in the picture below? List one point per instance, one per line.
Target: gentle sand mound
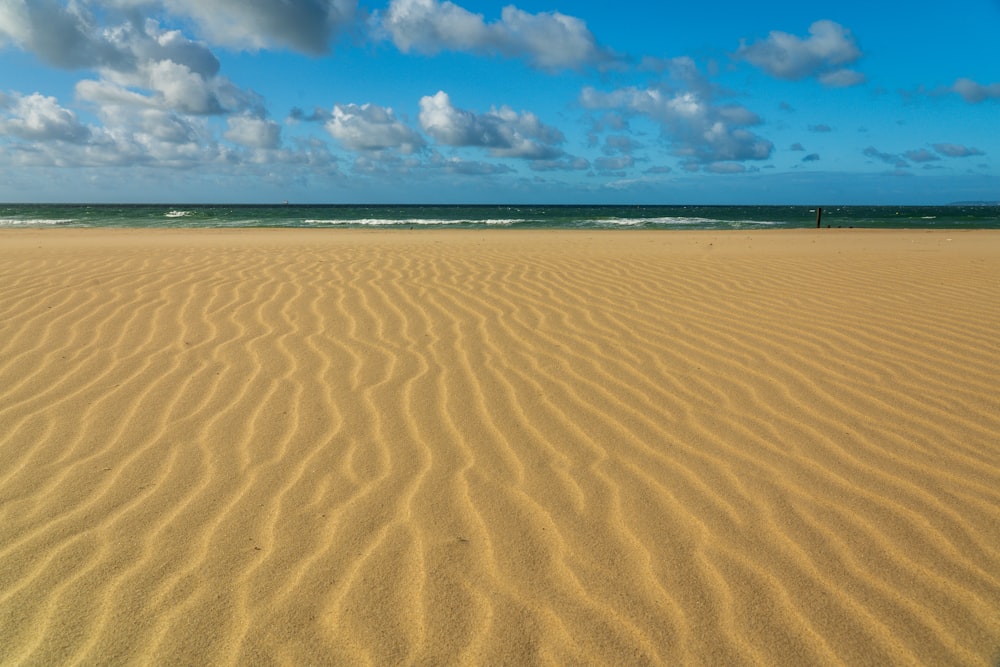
(310, 447)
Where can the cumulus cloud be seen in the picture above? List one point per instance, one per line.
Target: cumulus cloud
(726, 168)
(620, 144)
(71, 35)
(136, 130)
(107, 93)
(971, 91)
(955, 150)
(156, 136)
(381, 164)
(318, 115)
(614, 163)
(369, 127)
(138, 62)
(154, 44)
(888, 158)
(812, 157)
(39, 118)
(254, 132)
(302, 25)
(920, 155)
(51, 135)
(62, 36)
(823, 54)
(700, 131)
(456, 165)
(841, 78)
(37, 131)
(549, 40)
(974, 93)
(505, 132)
(168, 85)
(155, 130)
(565, 163)
(177, 86)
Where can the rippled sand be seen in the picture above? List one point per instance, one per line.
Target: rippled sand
(502, 447)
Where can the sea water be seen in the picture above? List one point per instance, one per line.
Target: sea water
(497, 216)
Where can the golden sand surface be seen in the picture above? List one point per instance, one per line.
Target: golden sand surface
(311, 447)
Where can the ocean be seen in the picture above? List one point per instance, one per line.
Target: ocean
(496, 216)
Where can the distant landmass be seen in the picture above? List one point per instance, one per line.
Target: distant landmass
(975, 203)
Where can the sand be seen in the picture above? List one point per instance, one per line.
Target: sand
(312, 447)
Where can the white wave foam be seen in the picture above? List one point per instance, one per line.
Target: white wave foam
(28, 222)
(679, 221)
(635, 222)
(673, 221)
(385, 222)
(177, 214)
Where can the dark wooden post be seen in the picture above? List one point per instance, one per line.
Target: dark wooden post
(819, 215)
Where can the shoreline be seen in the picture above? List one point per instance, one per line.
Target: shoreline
(474, 446)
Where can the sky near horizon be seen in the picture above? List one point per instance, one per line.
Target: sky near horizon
(541, 101)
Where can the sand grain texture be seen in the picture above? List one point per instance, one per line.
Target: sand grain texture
(312, 447)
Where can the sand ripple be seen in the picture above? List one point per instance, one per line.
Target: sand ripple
(263, 447)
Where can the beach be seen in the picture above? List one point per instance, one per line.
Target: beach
(345, 447)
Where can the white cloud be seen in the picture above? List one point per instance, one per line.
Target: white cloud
(70, 35)
(841, 78)
(456, 165)
(129, 136)
(35, 131)
(151, 128)
(150, 136)
(36, 117)
(920, 155)
(566, 163)
(302, 25)
(620, 144)
(154, 44)
(131, 57)
(726, 168)
(955, 150)
(369, 127)
(974, 93)
(165, 84)
(699, 131)
(504, 131)
(254, 132)
(61, 36)
(178, 87)
(822, 54)
(614, 163)
(429, 26)
(548, 40)
(889, 158)
(106, 93)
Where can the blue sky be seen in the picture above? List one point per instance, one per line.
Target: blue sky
(424, 101)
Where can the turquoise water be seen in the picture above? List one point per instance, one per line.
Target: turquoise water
(500, 216)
